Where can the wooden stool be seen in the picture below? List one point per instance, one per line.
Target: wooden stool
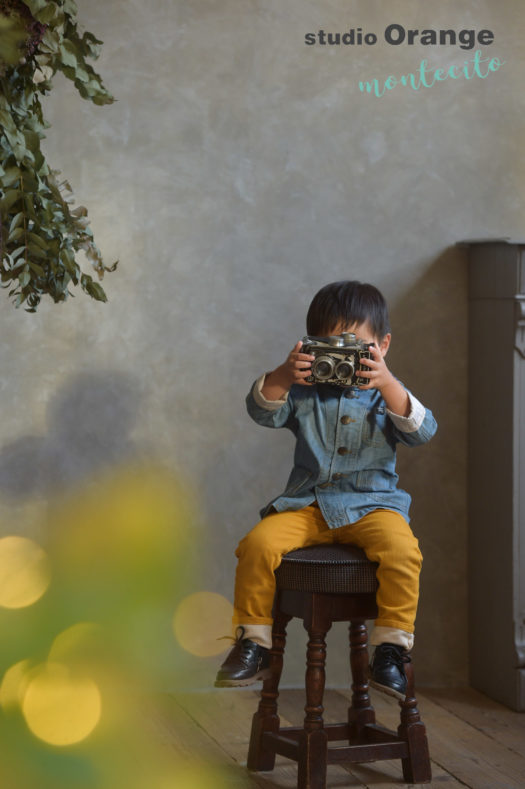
(321, 585)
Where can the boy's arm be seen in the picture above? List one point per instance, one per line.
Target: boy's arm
(268, 402)
(270, 413)
(414, 424)
(417, 427)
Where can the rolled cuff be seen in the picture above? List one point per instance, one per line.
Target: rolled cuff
(260, 399)
(391, 635)
(412, 422)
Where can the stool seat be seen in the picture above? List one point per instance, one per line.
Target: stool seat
(329, 569)
(323, 584)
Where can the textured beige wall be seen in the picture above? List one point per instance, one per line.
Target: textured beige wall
(239, 171)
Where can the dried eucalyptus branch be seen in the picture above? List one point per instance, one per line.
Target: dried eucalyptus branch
(40, 233)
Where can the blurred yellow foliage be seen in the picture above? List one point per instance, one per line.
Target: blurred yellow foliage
(80, 663)
(24, 572)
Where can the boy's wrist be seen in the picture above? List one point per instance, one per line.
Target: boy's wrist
(395, 396)
(276, 384)
(389, 383)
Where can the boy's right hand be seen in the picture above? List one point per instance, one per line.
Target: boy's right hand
(294, 370)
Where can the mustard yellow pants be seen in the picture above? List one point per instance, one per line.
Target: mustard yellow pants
(384, 535)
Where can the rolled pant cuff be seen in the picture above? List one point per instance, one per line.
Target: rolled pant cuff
(391, 635)
(251, 620)
(261, 634)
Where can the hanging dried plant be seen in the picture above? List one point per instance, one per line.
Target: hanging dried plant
(40, 232)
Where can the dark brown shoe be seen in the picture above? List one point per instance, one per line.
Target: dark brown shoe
(246, 663)
(387, 670)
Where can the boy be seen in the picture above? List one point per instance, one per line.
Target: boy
(342, 487)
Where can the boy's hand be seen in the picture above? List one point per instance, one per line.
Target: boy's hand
(381, 378)
(294, 370)
(379, 375)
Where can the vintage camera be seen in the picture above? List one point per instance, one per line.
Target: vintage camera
(337, 359)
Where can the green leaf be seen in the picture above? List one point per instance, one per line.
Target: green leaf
(10, 198)
(70, 7)
(24, 278)
(37, 269)
(16, 234)
(16, 221)
(37, 6)
(37, 252)
(32, 140)
(6, 120)
(12, 36)
(12, 174)
(48, 13)
(41, 242)
(69, 54)
(18, 251)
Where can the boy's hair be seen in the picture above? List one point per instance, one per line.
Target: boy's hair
(348, 302)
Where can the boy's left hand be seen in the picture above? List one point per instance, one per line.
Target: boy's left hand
(379, 375)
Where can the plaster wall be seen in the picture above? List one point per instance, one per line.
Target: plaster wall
(238, 172)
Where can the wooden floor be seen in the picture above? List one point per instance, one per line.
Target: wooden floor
(473, 741)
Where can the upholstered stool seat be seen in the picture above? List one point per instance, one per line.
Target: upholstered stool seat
(322, 585)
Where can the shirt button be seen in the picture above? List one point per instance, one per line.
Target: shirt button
(337, 476)
(345, 420)
(342, 450)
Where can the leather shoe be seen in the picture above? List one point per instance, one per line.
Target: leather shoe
(387, 669)
(246, 663)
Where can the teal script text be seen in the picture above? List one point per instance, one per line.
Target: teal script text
(426, 77)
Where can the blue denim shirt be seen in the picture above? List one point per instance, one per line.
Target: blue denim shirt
(345, 453)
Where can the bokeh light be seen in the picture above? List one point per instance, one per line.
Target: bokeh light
(200, 621)
(14, 684)
(78, 643)
(24, 572)
(59, 708)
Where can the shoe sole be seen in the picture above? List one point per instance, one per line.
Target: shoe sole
(385, 689)
(238, 683)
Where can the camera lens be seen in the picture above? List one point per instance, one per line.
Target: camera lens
(344, 370)
(323, 368)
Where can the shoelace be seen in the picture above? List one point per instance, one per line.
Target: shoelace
(234, 639)
(394, 655)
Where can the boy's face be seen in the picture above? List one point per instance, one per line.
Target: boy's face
(363, 332)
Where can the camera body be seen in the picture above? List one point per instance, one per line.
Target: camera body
(337, 359)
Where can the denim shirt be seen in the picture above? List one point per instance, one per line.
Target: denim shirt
(345, 453)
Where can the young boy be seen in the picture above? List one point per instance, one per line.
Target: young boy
(342, 488)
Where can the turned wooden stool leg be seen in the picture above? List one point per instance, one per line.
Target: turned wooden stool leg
(361, 712)
(266, 717)
(314, 739)
(416, 766)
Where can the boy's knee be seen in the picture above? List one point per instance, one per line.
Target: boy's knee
(410, 550)
(403, 552)
(256, 543)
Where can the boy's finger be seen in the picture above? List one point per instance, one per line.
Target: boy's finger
(302, 365)
(304, 357)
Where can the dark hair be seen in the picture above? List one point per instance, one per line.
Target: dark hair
(347, 302)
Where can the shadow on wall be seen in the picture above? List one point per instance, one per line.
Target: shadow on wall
(430, 355)
(90, 421)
